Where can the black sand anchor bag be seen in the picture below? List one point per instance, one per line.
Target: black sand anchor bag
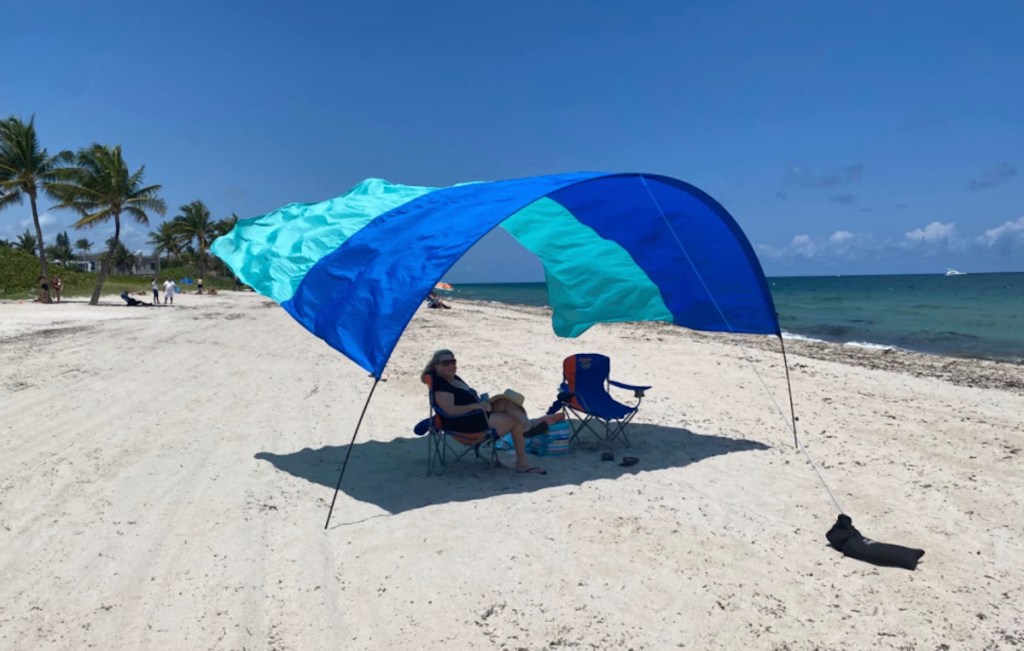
(844, 537)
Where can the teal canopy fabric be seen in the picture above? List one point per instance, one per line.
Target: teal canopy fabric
(615, 247)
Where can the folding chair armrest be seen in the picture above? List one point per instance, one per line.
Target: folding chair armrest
(637, 390)
(468, 413)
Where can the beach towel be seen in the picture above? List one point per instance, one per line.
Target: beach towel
(554, 443)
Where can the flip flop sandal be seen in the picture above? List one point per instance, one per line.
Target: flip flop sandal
(629, 461)
(607, 456)
(532, 470)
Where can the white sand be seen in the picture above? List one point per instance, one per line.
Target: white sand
(167, 472)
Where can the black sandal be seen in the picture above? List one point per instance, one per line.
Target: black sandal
(538, 429)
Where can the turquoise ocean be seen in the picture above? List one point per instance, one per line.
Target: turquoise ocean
(970, 315)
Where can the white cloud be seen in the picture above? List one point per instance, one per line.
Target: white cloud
(839, 245)
(933, 232)
(1009, 231)
(937, 240)
(1005, 239)
(803, 246)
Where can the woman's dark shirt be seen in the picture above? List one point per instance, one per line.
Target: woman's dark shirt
(469, 423)
(462, 397)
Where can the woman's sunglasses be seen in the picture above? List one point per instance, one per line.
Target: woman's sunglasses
(447, 362)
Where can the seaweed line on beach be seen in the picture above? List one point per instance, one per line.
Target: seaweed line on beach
(976, 373)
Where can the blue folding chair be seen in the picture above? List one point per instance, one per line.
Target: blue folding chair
(585, 395)
(447, 447)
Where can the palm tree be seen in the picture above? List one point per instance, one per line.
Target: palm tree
(102, 188)
(27, 243)
(61, 251)
(83, 245)
(194, 224)
(122, 259)
(58, 253)
(25, 170)
(225, 225)
(165, 241)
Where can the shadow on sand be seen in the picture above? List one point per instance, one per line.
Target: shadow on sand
(393, 475)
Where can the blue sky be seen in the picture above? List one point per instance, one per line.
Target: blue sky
(844, 137)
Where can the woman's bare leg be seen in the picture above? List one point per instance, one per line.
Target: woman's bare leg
(512, 409)
(503, 424)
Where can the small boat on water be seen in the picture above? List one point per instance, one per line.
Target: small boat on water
(954, 272)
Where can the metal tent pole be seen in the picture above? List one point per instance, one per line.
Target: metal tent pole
(349, 452)
(792, 411)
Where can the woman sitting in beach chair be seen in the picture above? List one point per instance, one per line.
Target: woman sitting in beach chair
(462, 409)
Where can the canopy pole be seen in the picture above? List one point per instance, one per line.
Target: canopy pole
(789, 387)
(344, 464)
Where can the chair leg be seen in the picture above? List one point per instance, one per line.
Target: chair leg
(620, 430)
(441, 454)
(436, 460)
(588, 422)
(613, 429)
(430, 454)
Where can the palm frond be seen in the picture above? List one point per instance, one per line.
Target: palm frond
(137, 213)
(92, 219)
(10, 199)
(99, 186)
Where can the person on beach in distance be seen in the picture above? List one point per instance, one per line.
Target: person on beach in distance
(156, 290)
(44, 291)
(168, 291)
(456, 399)
(434, 301)
(57, 287)
(199, 281)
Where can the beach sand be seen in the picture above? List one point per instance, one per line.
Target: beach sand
(167, 473)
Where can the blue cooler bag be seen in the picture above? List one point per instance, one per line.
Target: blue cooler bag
(555, 443)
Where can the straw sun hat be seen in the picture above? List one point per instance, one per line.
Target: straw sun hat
(510, 395)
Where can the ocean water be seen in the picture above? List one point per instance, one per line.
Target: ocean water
(972, 315)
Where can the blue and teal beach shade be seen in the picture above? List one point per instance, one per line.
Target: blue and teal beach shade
(615, 247)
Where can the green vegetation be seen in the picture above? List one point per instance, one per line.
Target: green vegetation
(27, 170)
(97, 184)
(19, 272)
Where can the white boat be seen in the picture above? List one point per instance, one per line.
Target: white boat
(954, 272)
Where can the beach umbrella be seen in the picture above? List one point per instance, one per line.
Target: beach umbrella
(615, 247)
(444, 287)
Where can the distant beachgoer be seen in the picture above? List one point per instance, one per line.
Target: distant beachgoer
(199, 281)
(57, 287)
(156, 290)
(133, 302)
(434, 301)
(169, 288)
(44, 291)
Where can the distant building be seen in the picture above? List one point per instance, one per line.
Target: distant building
(145, 264)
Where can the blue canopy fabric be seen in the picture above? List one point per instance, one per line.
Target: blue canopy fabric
(615, 247)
